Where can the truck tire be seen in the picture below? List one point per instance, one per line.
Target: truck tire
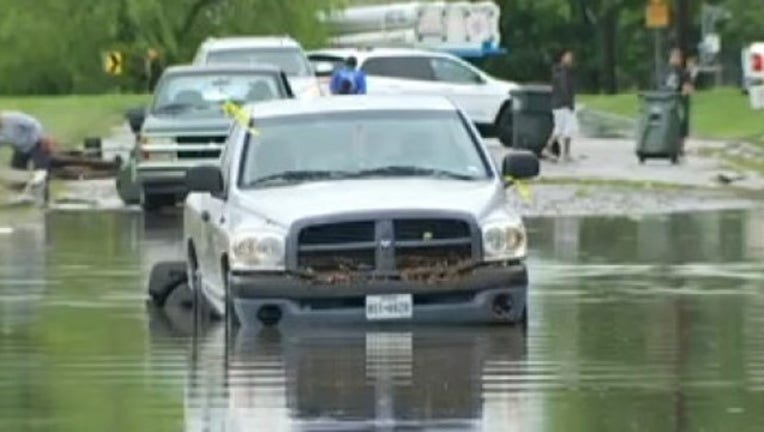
(127, 188)
(504, 125)
(165, 278)
(93, 147)
(155, 202)
(231, 319)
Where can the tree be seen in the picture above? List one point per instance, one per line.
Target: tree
(54, 46)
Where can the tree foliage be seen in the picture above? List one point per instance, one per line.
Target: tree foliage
(55, 46)
(613, 47)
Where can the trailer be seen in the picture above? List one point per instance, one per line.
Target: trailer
(466, 29)
(752, 62)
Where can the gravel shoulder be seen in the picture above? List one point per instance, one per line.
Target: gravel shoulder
(606, 178)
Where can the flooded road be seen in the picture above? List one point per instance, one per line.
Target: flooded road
(654, 324)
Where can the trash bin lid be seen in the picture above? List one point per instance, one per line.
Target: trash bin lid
(533, 88)
(659, 94)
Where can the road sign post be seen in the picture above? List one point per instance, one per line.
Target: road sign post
(112, 62)
(657, 19)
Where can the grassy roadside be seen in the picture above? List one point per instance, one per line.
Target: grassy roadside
(722, 114)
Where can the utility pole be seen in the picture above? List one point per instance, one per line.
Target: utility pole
(657, 19)
(683, 24)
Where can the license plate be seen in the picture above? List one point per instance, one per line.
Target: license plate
(389, 307)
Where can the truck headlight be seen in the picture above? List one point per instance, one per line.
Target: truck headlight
(151, 140)
(156, 155)
(258, 251)
(504, 242)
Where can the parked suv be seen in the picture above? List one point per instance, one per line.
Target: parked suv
(357, 209)
(185, 126)
(283, 52)
(485, 99)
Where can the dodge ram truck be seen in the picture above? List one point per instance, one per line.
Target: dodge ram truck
(357, 209)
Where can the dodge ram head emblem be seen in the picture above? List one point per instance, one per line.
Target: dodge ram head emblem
(385, 243)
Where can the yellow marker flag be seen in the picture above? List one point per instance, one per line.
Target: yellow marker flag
(523, 190)
(239, 116)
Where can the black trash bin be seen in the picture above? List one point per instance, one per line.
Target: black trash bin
(659, 133)
(532, 122)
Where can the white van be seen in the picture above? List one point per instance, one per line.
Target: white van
(283, 52)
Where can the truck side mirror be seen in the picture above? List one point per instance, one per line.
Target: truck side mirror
(205, 178)
(520, 164)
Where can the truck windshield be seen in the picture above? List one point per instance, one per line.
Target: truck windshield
(291, 61)
(184, 92)
(356, 144)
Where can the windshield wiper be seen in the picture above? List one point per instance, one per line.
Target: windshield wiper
(299, 176)
(173, 107)
(412, 171)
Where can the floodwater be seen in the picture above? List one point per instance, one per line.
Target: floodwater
(652, 324)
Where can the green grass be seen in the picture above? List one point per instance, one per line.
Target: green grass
(723, 114)
(72, 118)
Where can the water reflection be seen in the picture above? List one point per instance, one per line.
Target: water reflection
(642, 324)
(22, 268)
(351, 379)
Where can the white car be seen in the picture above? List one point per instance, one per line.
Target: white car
(283, 52)
(420, 72)
(357, 209)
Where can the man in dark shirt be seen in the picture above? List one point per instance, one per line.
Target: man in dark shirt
(679, 80)
(563, 106)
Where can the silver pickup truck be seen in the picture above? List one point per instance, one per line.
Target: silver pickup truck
(354, 209)
(185, 126)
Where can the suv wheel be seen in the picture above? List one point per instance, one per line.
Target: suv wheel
(154, 202)
(504, 126)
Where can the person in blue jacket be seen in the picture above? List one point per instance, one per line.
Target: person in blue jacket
(348, 79)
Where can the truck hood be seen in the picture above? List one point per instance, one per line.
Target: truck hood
(504, 86)
(285, 205)
(304, 87)
(186, 124)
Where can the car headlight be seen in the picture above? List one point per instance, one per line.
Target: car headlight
(504, 242)
(258, 251)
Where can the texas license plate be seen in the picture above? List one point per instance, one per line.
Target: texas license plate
(389, 307)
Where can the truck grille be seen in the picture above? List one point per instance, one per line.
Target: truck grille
(398, 248)
(200, 140)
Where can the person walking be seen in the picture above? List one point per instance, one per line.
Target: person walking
(680, 81)
(563, 107)
(348, 79)
(152, 69)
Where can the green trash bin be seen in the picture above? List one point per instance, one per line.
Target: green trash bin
(659, 133)
(532, 122)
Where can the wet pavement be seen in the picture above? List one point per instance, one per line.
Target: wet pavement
(648, 324)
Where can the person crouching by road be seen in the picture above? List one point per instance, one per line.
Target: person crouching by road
(563, 106)
(25, 135)
(348, 79)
